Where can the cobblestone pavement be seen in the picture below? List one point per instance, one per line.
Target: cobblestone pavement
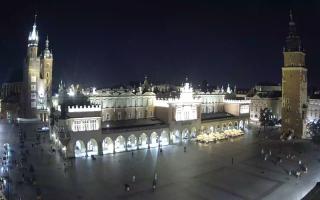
(204, 171)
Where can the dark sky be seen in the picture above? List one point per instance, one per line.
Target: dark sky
(104, 43)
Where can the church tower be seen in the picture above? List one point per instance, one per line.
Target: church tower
(294, 84)
(37, 78)
(31, 74)
(46, 70)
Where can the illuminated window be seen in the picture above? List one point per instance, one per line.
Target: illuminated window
(33, 79)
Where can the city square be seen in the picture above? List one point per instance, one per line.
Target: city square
(233, 169)
(159, 100)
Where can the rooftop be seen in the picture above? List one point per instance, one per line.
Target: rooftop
(132, 124)
(218, 115)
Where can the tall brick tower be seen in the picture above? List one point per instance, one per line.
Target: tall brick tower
(294, 84)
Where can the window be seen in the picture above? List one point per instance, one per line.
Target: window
(33, 79)
(33, 87)
(47, 75)
(33, 95)
(129, 116)
(33, 104)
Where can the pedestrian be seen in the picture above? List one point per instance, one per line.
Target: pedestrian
(154, 183)
(131, 153)
(133, 179)
(156, 176)
(185, 149)
(232, 160)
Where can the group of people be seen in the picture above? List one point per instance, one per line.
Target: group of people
(296, 172)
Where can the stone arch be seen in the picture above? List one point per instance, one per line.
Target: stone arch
(132, 142)
(107, 145)
(241, 125)
(175, 136)
(79, 149)
(120, 144)
(211, 129)
(92, 147)
(218, 128)
(164, 138)
(185, 134)
(154, 140)
(224, 127)
(235, 125)
(230, 126)
(193, 133)
(143, 141)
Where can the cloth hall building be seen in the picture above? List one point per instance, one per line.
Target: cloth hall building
(96, 122)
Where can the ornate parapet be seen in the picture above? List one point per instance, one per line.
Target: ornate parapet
(237, 101)
(84, 108)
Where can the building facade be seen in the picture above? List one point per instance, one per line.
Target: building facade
(37, 78)
(96, 122)
(294, 85)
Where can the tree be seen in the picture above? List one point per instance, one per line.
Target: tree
(313, 129)
(267, 118)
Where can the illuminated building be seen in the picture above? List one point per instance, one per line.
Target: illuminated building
(294, 85)
(96, 122)
(37, 78)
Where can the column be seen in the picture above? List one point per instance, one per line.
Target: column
(100, 151)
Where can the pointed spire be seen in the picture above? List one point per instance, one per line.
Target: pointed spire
(33, 35)
(293, 42)
(47, 43)
(47, 53)
(291, 15)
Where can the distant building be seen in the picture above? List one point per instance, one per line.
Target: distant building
(266, 96)
(10, 100)
(294, 85)
(37, 79)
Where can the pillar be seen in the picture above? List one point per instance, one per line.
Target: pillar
(100, 150)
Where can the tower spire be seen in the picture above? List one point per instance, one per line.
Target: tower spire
(33, 38)
(47, 42)
(293, 42)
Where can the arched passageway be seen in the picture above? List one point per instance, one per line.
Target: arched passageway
(92, 147)
(143, 141)
(230, 126)
(154, 140)
(241, 126)
(185, 134)
(235, 125)
(120, 144)
(107, 145)
(164, 138)
(79, 149)
(193, 133)
(132, 142)
(175, 137)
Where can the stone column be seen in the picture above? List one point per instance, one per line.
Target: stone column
(100, 150)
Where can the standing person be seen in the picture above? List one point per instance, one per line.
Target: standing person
(156, 176)
(133, 179)
(185, 149)
(154, 183)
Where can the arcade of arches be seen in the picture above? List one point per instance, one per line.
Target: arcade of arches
(122, 142)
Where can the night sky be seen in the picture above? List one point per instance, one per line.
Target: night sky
(112, 42)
